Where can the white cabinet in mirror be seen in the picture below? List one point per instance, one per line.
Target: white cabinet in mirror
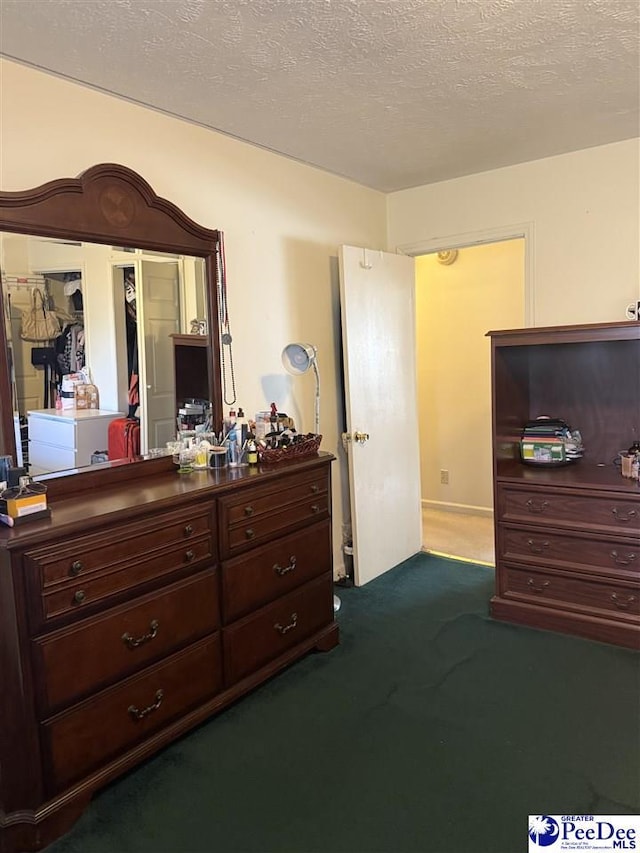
(118, 309)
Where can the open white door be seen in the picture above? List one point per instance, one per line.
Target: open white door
(159, 318)
(377, 295)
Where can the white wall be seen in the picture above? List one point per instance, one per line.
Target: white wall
(584, 212)
(282, 220)
(455, 306)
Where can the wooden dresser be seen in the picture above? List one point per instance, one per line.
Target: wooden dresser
(138, 611)
(568, 538)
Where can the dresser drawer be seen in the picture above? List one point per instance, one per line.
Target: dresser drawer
(570, 508)
(58, 431)
(103, 727)
(255, 640)
(49, 458)
(262, 500)
(617, 557)
(247, 534)
(76, 595)
(268, 572)
(598, 597)
(123, 544)
(272, 509)
(74, 662)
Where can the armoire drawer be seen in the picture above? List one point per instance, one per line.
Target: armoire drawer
(73, 596)
(268, 572)
(261, 637)
(78, 660)
(570, 508)
(125, 543)
(569, 592)
(99, 729)
(570, 550)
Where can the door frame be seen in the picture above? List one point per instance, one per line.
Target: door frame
(524, 230)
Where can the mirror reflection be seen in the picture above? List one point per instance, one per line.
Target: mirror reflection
(112, 357)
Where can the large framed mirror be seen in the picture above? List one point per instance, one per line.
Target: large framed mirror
(128, 272)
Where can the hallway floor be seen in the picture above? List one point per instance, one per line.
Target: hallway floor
(460, 535)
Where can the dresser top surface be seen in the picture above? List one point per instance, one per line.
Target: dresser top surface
(77, 514)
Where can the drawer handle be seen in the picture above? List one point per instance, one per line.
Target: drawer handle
(250, 533)
(284, 570)
(315, 509)
(134, 642)
(532, 585)
(189, 555)
(76, 568)
(620, 603)
(536, 548)
(315, 488)
(138, 714)
(625, 560)
(248, 510)
(188, 530)
(79, 597)
(283, 629)
(624, 518)
(532, 506)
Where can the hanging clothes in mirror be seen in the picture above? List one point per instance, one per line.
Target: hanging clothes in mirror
(69, 345)
(131, 315)
(73, 289)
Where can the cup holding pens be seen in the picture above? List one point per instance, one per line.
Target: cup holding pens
(236, 454)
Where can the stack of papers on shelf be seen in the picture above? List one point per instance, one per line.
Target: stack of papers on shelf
(550, 441)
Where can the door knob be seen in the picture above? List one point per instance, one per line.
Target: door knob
(357, 436)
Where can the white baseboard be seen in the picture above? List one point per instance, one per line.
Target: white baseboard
(467, 509)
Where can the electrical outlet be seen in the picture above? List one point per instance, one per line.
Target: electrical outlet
(444, 477)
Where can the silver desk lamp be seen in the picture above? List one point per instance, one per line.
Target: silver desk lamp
(297, 359)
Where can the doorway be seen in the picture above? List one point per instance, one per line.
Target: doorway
(460, 295)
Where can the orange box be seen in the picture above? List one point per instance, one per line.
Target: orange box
(26, 505)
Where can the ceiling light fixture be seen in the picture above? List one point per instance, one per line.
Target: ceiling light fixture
(447, 257)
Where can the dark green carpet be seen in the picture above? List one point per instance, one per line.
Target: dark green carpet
(430, 728)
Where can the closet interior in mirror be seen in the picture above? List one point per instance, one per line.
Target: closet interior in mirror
(116, 310)
(91, 325)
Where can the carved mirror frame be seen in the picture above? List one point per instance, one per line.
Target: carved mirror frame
(109, 204)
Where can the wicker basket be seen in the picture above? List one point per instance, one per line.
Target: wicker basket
(300, 450)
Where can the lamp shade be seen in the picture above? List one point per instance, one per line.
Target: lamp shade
(298, 358)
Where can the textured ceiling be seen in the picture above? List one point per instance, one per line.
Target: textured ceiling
(390, 93)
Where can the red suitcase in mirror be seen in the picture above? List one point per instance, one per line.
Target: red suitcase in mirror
(123, 438)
